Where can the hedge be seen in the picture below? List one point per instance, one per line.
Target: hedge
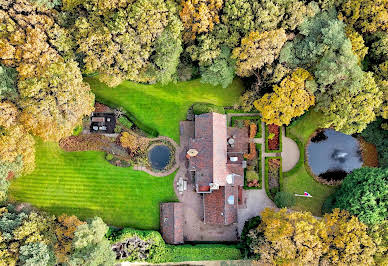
(267, 150)
(266, 174)
(125, 122)
(202, 252)
(161, 252)
(258, 149)
(150, 131)
(203, 108)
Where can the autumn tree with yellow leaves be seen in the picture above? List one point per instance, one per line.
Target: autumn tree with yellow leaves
(300, 238)
(199, 16)
(289, 99)
(258, 49)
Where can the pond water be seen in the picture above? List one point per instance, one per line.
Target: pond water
(159, 157)
(334, 152)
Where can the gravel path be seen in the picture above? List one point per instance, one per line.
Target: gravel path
(290, 154)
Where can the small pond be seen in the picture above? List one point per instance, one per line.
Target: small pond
(159, 157)
(333, 152)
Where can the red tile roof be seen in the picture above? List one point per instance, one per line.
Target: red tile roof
(171, 222)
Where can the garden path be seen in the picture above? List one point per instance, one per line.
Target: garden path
(290, 153)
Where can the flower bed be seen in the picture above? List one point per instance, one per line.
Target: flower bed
(273, 138)
(253, 177)
(244, 121)
(273, 175)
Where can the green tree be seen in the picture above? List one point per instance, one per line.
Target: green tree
(90, 247)
(36, 253)
(363, 193)
(221, 72)
(351, 112)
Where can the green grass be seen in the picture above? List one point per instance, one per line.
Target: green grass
(86, 185)
(162, 107)
(298, 180)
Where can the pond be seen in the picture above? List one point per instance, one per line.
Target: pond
(333, 154)
(159, 157)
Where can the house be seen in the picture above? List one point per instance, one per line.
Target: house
(104, 123)
(216, 161)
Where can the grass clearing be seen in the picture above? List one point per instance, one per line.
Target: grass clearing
(162, 107)
(86, 185)
(298, 179)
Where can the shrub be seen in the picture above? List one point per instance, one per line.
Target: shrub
(125, 122)
(118, 129)
(271, 136)
(284, 199)
(77, 130)
(252, 223)
(109, 157)
(202, 108)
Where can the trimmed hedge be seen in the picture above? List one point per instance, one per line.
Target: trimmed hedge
(203, 108)
(203, 252)
(161, 252)
(258, 170)
(266, 175)
(125, 122)
(267, 150)
(150, 131)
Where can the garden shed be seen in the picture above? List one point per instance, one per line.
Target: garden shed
(171, 222)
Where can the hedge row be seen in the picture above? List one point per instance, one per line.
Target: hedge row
(266, 175)
(258, 170)
(203, 108)
(161, 252)
(267, 150)
(125, 122)
(149, 130)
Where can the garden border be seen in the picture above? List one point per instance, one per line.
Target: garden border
(258, 124)
(266, 174)
(267, 150)
(258, 149)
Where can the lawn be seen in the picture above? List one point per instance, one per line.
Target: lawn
(162, 107)
(298, 179)
(86, 185)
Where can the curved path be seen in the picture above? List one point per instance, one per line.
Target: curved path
(172, 169)
(290, 153)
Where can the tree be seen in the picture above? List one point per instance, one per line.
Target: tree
(375, 134)
(54, 103)
(258, 49)
(199, 16)
(120, 44)
(290, 99)
(36, 253)
(350, 112)
(368, 16)
(292, 237)
(18, 229)
(346, 240)
(31, 39)
(8, 169)
(300, 238)
(363, 193)
(379, 234)
(136, 144)
(64, 232)
(221, 72)
(90, 247)
(8, 88)
(357, 41)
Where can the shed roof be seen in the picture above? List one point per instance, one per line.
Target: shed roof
(171, 222)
